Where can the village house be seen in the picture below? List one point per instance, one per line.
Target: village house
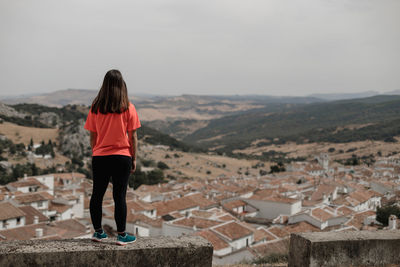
(236, 235)
(56, 230)
(11, 216)
(239, 207)
(38, 200)
(28, 185)
(271, 206)
(321, 217)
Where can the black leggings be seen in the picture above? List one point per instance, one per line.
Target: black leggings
(104, 167)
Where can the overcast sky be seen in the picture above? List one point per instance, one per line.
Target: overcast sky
(275, 47)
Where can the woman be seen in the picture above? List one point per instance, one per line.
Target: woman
(112, 122)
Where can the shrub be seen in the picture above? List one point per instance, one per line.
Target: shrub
(383, 213)
(161, 165)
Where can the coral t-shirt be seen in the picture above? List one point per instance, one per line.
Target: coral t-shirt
(111, 129)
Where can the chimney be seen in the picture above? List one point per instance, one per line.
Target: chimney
(392, 222)
(35, 219)
(38, 232)
(25, 175)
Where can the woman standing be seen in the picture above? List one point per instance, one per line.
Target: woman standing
(112, 122)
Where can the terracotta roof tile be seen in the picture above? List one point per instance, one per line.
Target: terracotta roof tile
(198, 222)
(9, 211)
(232, 230)
(60, 208)
(217, 242)
(56, 230)
(234, 204)
(26, 198)
(27, 182)
(279, 232)
(30, 213)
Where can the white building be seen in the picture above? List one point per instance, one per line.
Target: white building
(271, 207)
(11, 216)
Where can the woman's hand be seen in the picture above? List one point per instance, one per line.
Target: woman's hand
(133, 166)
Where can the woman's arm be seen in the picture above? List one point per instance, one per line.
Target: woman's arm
(93, 139)
(132, 135)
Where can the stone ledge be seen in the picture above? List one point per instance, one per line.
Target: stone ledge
(353, 248)
(146, 251)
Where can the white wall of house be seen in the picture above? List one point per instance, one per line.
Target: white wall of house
(271, 210)
(25, 189)
(47, 180)
(242, 242)
(141, 230)
(78, 207)
(247, 195)
(238, 209)
(151, 213)
(222, 252)
(374, 203)
(12, 223)
(42, 206)
(66, 215)
(362, 206)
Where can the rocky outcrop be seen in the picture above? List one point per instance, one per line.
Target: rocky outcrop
(10, 112)
(74, 139)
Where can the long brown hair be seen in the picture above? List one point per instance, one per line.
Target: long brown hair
(113, 94)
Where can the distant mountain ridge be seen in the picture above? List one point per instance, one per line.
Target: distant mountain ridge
(85, 97)
(343, 96)
(376, 118)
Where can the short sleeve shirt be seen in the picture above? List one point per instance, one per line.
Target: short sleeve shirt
(111, 129)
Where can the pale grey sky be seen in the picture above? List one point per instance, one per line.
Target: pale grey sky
(277, 47)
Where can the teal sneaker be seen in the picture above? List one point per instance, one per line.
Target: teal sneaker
(126, 239)
(98, 237)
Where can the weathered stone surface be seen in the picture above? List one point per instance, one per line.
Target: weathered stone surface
(353, 248)
(151, 251)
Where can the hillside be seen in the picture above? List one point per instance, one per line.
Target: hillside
(167, 108)
(373, 118)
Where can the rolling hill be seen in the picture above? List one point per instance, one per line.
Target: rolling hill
(372, 118)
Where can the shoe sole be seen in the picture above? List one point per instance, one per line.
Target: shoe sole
(125, 243)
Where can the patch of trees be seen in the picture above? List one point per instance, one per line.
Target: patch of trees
(154, 137)
(150, 178)
(13, 149)
(383, 213)
(279, 167)
(27, 121)
(162, 165)
(66, 113)
(45, 149)
(19, 170)
(357, 160)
